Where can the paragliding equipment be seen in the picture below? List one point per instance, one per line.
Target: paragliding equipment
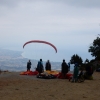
(39, 41)
(36, 49)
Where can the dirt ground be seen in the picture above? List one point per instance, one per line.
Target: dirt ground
(14, 86)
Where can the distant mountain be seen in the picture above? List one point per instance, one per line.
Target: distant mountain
(13, 61)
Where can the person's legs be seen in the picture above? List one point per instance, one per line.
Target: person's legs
(64, 75)
(76, 79)
(73, 79)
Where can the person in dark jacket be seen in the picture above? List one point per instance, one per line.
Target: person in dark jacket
(48, 66)
(29, 65)
(40, 68)
(89, 69)
(64, 68)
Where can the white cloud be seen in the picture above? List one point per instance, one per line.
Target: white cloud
(65, 23)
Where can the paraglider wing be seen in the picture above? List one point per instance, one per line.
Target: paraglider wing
(39, 41)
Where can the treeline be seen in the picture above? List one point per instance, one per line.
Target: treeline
(94, 49)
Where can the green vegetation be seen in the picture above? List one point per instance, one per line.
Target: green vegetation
(94, 49)
(76, 59)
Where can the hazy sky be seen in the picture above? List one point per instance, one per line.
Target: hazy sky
(71, 25)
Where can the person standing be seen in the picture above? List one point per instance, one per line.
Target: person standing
(89, 71)
(64, 68)
(69, 66)
(40, 68)
(75, 73)
(48, 66)
(29, 65)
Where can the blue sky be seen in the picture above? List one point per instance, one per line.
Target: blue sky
(71, 25)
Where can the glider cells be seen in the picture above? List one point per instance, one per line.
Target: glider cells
(40, 41)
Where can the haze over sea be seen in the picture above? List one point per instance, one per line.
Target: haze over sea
(14, 61)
